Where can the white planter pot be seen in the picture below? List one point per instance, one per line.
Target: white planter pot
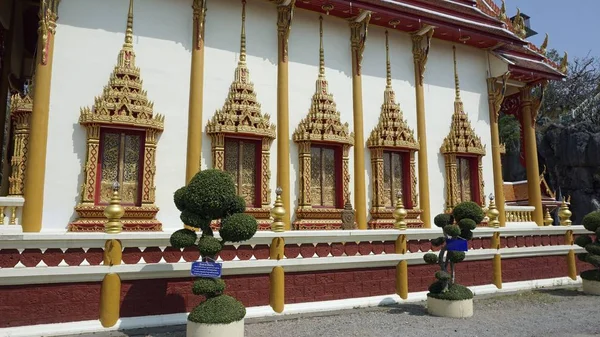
(591, 287)
(235, 329)
(446, 308)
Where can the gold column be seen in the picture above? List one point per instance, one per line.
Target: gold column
(277, 276)
(571, 263)
(529, 111)
(420, 54)
(493, 215)
(285, 12)
(38, 140)
(110, 292)
(194, 137)
(496, 93)
(358, 37)
(401, 268)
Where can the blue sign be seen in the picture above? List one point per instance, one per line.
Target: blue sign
(206, 269)
(457, 245)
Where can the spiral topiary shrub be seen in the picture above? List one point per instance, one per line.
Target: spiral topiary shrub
(458, 225)
(591, 222)
(209, 196)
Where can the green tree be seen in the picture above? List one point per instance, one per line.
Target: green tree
(591, 222)
(209, 196)
(458, 225)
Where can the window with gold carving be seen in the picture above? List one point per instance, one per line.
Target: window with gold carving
(242, 158)
(465, 181)
(120, 161)
(396, 175)
(324, 177)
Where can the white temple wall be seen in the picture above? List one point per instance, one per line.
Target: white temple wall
(439, 106)
(90, 34)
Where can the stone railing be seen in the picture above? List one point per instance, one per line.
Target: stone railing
(10, 213)
(519, 213)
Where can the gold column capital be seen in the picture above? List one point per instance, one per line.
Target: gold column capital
(527, 98)
(199, 7)
(285, 14)
(359, 28)
(496, 92)
(420, 52)
(48, 16)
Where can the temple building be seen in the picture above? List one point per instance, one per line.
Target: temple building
(357, 106)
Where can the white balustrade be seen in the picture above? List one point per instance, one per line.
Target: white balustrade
(10, 213)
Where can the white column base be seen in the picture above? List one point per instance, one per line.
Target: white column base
(591, 287)
(235, 329)
(452, 309)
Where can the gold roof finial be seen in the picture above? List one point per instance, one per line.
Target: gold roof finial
(321, 50)
(564, 64)
(129, 30)
(127, 55)
(243, 35)
(388, 66)
(502, 16)
(544, 45)
(456, 81)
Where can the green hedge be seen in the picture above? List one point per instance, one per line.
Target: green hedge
(591, 275)
(222, 309)
(183, 238)
(455, 292)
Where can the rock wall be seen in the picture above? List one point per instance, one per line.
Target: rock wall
(572, 156)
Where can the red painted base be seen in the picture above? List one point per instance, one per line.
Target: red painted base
(58, 303)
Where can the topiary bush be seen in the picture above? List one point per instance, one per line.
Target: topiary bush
(209, 196)
(591, 222)
(458, 225)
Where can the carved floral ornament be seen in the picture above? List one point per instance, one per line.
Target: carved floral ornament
(358, 37)
(322, 125)
(241, 116)
(47, 26)
(391, 133)
(21, 107)
(122, 105)
(462, 141)
(199, 7)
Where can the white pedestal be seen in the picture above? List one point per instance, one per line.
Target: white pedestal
(591, 287)
(235, 329)
(453, 309)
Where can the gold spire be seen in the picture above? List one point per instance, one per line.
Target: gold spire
(243, 35)
(321, 50)
(456, 81)
(462, 137)
(388, 67)
(241, 112)
(323, 120)
(123, 100)
(392, 129)
(129, 30)
(502, 16)
(127, 55)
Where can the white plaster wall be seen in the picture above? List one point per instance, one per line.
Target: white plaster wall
(89, 37)
(439, 106)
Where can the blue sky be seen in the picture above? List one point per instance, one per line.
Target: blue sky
(573, 26)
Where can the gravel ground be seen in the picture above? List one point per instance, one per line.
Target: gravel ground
(547, 313)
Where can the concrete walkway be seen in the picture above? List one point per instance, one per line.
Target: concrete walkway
(544, 313)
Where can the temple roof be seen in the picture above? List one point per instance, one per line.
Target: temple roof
(477, 23)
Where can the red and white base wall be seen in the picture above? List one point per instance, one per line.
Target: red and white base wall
(55, 280)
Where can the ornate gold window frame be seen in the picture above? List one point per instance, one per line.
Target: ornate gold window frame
(20, 113)
(122, 105)
(241, 117)
(392, 133)
(322, 126)
(462, 141)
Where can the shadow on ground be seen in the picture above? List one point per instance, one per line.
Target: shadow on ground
(410, 309)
